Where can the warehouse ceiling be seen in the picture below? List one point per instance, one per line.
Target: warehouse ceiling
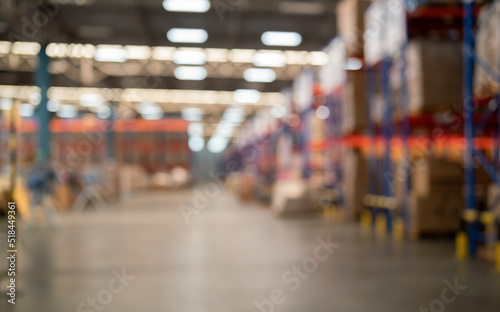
(230, 24)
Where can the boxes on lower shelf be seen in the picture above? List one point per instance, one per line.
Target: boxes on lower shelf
(355, 182)
(354, 109)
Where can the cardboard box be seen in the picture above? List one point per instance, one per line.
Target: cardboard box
(355, 182)
(351, 24)
(354, 110)
(434, 76)
(426, 173)
(487, 49)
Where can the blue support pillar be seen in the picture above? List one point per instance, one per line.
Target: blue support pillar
(469, 125)
(387, 132)
(110, 134)
(43, 82)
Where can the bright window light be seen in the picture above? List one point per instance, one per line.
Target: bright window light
(269, 59)
(196, 143)
(322, 112)
(246, 96)
(103, 112)
(195, 129)
(195, 6)
(110, 53)
(190, 73)
(259, 75)
(185, 35)
(192, 114)
(67, 111)
(53, 105)
(353, 63)
(91, 100)
(6, 104)
(26, 110)
(188, 57)
(217, 144)
(281, 38)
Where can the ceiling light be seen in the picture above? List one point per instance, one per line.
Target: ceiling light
(281, 38)
(25, 48)
(67, 111)
(278, 111)
(138, 52)
(195, 6)
(353, 63)
(26, 110)
(192, 114)
(185, 35)
(318, 58)
(190, 57)
(6, 104)
(225, 129)
(246, 96)
(190, 73)
(259, 75)
(150, 111)
(35, 98)
(233, 115)
(269, 59)
(91, 100)
(217, 144)
(196, 143)
(104, 112)
(322, 112)
(195, 129)
(53, 105)
(110, 53)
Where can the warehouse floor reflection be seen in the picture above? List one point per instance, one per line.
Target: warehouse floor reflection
(141, 255)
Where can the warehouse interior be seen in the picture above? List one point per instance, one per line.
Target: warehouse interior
(237, 155)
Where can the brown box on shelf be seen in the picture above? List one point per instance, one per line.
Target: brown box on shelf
(429, 172)
(434, 76)
(351, 24)
(354, 113)
(355, 182)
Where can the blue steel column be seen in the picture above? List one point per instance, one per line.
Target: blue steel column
(469, 123)
(387, 129)
(405, 137)
(43, 82)
(110, 134)
(371, 159)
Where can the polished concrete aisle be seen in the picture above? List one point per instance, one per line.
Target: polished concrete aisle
(140, 255)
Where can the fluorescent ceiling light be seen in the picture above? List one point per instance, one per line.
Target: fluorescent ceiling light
(217, 144)
(104, 112)
(259, 75)
(91, 100)
(192, 114)
(185, 35)
(322, 112)
(195, 129)
(234, 115)
(269, 59)
(6, 104)
(67, 111)
(26, 110)
(35, 98)
(25, 48)
(246, 96)
(195, 6)
(353, 63)
(225, 129)
(110, 53)
(151, 111)
(196, 143)
(281, 38)
(190, 57)
(190, 73)
(138, 52)
(53, 105)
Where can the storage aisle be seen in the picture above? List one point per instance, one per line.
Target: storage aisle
(233, 255)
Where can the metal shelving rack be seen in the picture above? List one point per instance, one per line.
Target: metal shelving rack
(471, 235)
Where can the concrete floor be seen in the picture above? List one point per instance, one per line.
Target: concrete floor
(232, 255)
